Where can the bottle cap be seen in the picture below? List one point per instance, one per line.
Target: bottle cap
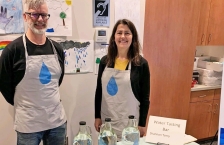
(82, 123)
(107, 120)
(131, 116)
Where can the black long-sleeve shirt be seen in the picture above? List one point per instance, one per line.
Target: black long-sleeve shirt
(13, 63)
(140, 83)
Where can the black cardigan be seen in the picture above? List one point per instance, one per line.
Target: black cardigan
(140, 82)
(13, 64)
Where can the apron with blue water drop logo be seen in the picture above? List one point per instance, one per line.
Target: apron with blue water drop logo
(37, 99)
(118, 100)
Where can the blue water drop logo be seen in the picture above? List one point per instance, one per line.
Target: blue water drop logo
(45, 75)
(112, 88)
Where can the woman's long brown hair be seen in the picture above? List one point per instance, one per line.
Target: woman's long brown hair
(134, 50)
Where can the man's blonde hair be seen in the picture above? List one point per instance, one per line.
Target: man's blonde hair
(33, 4)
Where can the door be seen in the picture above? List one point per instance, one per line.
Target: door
(216, 23)
(215, 118)
(199, 117)
(170, 34)
(203, 22)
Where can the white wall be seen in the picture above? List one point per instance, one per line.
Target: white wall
(77, 91)
(217, 51)
(7, 134)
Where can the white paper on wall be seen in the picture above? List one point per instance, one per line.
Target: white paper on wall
(4, 41)
(11, 17)
(79, 55)
(60, 22)
(128, 9)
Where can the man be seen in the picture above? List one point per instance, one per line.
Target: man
(31, 71)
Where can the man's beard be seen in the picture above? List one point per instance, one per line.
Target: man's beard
(37, 31)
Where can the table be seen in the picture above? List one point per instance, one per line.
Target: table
(142, 142)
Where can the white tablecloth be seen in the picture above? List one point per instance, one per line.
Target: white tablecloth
(142, 142)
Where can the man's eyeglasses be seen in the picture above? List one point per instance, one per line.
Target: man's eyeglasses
(37, 15)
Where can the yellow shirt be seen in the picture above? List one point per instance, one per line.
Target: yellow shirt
(121, 64)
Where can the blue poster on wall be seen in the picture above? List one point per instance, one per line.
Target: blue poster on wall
(221, 138)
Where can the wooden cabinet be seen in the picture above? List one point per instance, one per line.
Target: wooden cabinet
(203, 113)
(211, 22)
(214, 124)
(203, 22)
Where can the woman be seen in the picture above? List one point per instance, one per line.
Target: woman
(123, 81)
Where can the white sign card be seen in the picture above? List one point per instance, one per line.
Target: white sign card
(101, 13)
(166, 130)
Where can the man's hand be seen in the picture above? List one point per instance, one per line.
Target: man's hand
(97, 124)
(3, 18)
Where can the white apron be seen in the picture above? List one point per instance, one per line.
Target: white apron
(118, 100)
(37, 99)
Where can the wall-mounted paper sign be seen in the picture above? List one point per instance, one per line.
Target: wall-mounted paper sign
(101, 13)
(166, 130)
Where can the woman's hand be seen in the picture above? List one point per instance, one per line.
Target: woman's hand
(142, 131)
(97, 124)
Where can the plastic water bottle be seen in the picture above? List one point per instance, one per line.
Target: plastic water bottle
(84, 135)
(131, 134)
(107, 136)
